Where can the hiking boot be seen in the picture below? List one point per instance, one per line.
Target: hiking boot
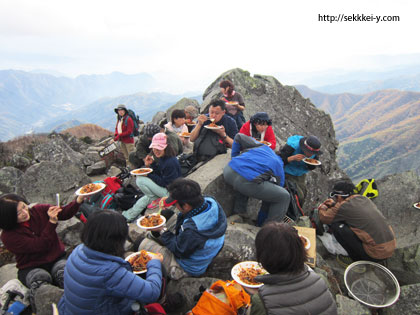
(344, 261)
(173, 302)
(57, 272)
(34, 279)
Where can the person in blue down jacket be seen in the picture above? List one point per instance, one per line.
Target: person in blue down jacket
(97, 279)
(257, 172)
(192, 239)
(298, 148)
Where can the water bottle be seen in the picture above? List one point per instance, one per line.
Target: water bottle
(16, 308)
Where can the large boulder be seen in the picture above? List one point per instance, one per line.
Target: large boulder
(43, 180)
(291, 114)
(69, 231)
(212, 183)
(9, 179)
(397, 194)
(57, 150)
(239, 246)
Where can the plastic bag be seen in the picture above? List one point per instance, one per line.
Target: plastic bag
(332, 245)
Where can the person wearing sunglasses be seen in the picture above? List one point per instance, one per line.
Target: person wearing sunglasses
(357, 224)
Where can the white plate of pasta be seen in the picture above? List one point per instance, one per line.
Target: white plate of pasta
(245, 272)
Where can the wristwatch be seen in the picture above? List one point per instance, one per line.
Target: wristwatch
(163, 230)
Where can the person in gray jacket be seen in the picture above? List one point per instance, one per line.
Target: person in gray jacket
(291, 287)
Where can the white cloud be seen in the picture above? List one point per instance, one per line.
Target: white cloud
(196, 40)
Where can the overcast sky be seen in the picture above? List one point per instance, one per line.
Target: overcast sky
(187, 44)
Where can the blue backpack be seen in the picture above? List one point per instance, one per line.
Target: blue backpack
(136, 122)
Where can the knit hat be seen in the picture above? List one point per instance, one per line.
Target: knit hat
(151, 129)
(192, 111)
(121, 106)
(260, 117)
(310, 144)
(159, 141)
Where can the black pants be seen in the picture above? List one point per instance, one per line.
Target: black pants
(350, 242)
(22, 273)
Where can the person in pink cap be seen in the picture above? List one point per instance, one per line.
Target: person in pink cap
(154, 185)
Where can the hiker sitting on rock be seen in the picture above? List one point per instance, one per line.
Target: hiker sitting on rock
(165, 170)
(97, 278)
(177, 125)
(190, 241)
(296, 149)
(257, 172)
(259, 127)
(234, 101)
(210, 140)
(29, 233)
(291, 287)
(357, 224)
(143, 144)
(124, 131)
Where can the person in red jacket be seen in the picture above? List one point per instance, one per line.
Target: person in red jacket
(124, 131)
(29, 233)
(259, 127)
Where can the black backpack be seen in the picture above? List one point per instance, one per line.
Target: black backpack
(136, 122)
(126, 197)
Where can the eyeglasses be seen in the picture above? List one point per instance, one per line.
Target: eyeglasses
(338, 193)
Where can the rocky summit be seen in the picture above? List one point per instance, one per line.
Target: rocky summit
(64, 163)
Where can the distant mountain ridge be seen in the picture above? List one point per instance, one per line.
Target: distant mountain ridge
(378, 131)
(41, 102)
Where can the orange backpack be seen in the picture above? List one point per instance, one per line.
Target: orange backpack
(223, 297)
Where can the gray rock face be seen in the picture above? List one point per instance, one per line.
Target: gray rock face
(189, 287)
(45, 295)
(408, 303)
(96, 169)
(7, 272)
(291, 114)
(158, 117)
(405, 264)
(69, 231)
(397, 194)
(20, 162)
(42, 181)
(210, 178)
(91, 157)
(239, 246)
(347, 306)
(9, 179)
(57, 150)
